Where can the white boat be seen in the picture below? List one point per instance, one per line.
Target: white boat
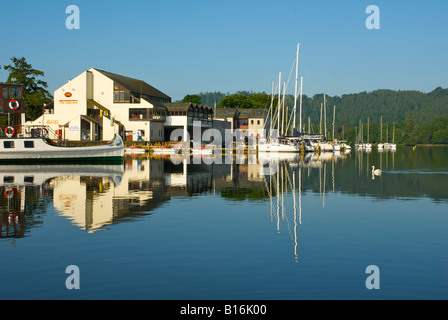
(39, 174)
(176, 149)
(44, 149)
(277, 147)
(345, 146)
(323, 146)
(134, 150)
(204, 149)
(336, 147)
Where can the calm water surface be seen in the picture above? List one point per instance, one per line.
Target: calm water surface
(287, 228)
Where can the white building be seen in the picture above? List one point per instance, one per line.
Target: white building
(97, 104)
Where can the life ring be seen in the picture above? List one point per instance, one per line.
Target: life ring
(9, 193)
(43, 132)
(9, 131)
(14, 104)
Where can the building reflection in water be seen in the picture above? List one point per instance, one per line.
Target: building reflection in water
(95, 196)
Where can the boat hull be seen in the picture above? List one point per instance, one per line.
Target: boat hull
(277, 148)
(37, 149)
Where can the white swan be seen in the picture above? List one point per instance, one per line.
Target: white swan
(377, 171)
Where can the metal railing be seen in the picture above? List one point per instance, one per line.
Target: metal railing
(15, 131)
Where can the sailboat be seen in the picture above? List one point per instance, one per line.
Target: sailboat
(360, 144)
(381, 144)
(324, 145)
(368, 144)
(283, 143)
(277, 145)
(393, 145)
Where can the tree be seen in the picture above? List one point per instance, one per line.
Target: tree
(35, 92)
(193, 98)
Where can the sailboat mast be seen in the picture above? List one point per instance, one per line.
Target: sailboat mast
(393, 134)
(320, 124)
(301, 88)
(309, 125)
(295, 92)
(279, 101)
(283, 105)
(334, 119)
(325, 119)
(271, 112)
(381, 138)
(368, 129)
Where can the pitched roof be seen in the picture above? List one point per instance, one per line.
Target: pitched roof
(240, 113)
(225, 112)
(135, 85)
(251, 113)
(185, 106)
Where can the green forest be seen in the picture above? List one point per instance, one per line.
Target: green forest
(418, 118)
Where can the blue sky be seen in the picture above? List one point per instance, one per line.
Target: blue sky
(186, 47)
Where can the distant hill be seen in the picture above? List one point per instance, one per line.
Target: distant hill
(393, 106)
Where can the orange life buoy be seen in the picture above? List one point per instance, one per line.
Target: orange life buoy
(9, 131)
(43, 132)
(14, 104)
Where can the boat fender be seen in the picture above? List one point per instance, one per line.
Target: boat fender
(9, 131)
(14, 104)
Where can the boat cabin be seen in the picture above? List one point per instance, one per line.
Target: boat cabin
(11, 99)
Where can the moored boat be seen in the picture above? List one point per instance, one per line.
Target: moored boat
(134, 150)
(44, 149)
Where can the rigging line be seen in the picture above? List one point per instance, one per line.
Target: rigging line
(290, 73)
(284, 104)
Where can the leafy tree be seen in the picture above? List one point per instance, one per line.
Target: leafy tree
(35, 92)
(193, 98)
(234, 101)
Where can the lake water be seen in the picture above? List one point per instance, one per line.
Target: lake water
(246, 228)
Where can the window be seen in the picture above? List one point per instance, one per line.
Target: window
(8, 144)
(5, 92)
(258, 121)
(138, 114)
(28, 179)
(121, 94)
(15, 92)
(8, 179)
(244, 123)
(251, 121)
(28, 144)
